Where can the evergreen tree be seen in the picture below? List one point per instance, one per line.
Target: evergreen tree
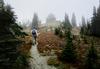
(83, 26)
(51, 18)
(1, 4)
(95, 22)
(88, 27)
(57, 30)
(91, 58)
(13, 27)
(69, 53)
(67, 22)
(83, 22)
(74, 20)
(35, 21)
(6, 20)
(8, 40)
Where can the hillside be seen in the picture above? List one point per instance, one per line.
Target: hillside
(47, 41)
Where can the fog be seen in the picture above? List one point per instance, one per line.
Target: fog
(25, 8)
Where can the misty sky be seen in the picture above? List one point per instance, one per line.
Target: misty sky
(25, 9)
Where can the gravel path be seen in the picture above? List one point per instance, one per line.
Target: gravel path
(37, 61)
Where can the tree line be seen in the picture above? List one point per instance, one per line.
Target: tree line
(90, 29)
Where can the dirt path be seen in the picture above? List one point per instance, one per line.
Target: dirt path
(37, 61)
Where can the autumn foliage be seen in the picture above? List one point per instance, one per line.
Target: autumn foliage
(47, 41)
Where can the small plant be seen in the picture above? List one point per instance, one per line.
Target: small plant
(69, 53)
(91, 58)
(22, 62)
(57, 31)
(85, 39)
(53, 61)
(60, 34)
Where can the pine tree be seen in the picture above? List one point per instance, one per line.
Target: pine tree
(35, 21)
(8, 40)
(6, 20)
(57, 30)
(95, 22)
(13, 27)
(1, 5)
(67, 22)
(51, 18)
(74, 20)
(83, 21)
(83, 27)
(88, 28)
(69, 53)
(91, 58)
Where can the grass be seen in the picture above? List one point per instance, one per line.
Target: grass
(53, 61)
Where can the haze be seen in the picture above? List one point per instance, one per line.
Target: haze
(25, 9)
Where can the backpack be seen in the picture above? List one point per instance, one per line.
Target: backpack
(34, 32)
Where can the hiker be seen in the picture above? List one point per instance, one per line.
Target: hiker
(34, 34)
